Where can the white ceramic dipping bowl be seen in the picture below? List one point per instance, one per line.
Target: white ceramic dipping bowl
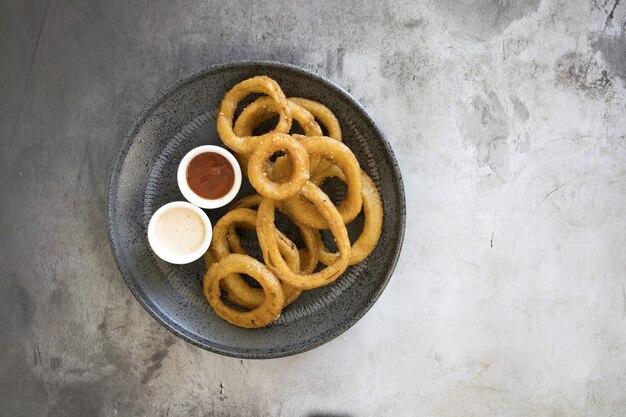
(163, 248)
(195, 198)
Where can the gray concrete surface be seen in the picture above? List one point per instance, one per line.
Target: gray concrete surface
(508, 119)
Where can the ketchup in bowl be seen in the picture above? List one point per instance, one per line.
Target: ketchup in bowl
(210, 175)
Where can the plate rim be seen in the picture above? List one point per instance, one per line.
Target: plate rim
(147, 304)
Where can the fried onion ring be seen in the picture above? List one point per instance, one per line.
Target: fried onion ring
(264, 108)
(247, 219)
(239, 292)
(308, 263)
(273, 300)
(328, 120)
(209, 259)
(298, 156)
(279, 170)
(322, 114)
(260, 84)
(268, 239)
(372, 227)
(341, 155)
(251, 201)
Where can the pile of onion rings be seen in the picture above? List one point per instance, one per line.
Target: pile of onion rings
(287, 171)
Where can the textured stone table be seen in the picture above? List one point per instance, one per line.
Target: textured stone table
(508, 119)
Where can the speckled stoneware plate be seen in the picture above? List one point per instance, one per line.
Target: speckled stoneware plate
(144, 178)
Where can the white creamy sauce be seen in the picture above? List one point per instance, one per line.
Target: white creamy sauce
(180, 230)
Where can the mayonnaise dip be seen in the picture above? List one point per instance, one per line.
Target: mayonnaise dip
(179, 232)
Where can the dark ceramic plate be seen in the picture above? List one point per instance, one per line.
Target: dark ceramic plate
(144, 178)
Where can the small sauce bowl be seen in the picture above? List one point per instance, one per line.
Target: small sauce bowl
(179, 232)
(184, 179)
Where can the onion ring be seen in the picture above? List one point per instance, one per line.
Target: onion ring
(239, 292)
(281, 168)
(341, 155)
(273, 299)
(372, 226)
(226, 112)
(265, 108)
(242, 296)
(289, 251)
(328, 120)
(298, 156)
(209, 259)
(321, 113)
(310, 236)
(267, 233)
(251, 201)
